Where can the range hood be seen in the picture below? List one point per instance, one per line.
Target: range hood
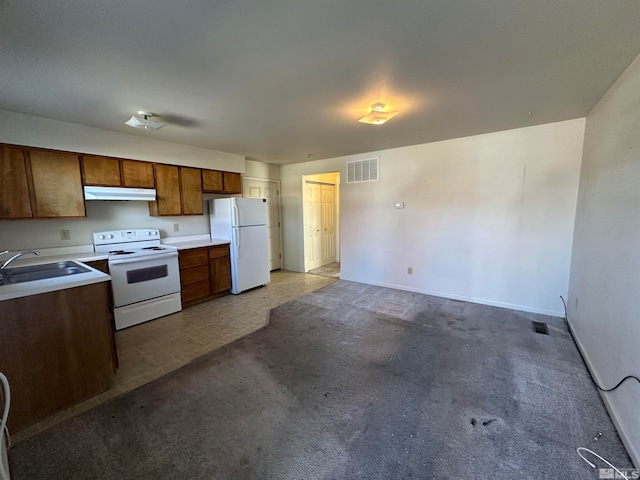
(118, 193)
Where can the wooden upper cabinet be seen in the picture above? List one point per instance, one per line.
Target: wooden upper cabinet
(101, 171)
(57, 184)
(178, 191)
(214, 181)
(137, 174)
(114, 172)
(15, 200)
(191, 191)
(167, 191)
(232, 182)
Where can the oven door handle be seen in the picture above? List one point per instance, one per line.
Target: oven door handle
(159, 256)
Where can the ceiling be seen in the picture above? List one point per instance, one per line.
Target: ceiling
(285, 81)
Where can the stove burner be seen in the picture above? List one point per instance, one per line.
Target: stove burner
(153, 248)
(119, 252)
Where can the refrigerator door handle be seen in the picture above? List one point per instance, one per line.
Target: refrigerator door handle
(235, 215)
(236, 233)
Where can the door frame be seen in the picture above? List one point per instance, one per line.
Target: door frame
(303, 182)
(279, 189)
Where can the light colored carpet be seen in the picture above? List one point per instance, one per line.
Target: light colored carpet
(351, 382)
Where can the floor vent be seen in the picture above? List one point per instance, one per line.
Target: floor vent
(540, 327)
(362, 171)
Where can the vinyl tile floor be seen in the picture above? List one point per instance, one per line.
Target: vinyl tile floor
(152, 349)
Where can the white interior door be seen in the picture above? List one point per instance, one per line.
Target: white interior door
(314, 225)
(255, 188)
(328, 193)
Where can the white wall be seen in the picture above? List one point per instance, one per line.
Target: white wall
(19, 129)
(604, 294)
(101, 216)
(266, 171)
(487, 218)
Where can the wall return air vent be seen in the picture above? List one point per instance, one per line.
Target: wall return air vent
(359, 171)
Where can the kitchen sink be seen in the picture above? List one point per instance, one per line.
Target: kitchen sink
(40, 272)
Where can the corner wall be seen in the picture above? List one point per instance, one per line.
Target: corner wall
(604, 300)
(487, 218)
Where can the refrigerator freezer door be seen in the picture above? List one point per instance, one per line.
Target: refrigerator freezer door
(249, 211)
(249, 258)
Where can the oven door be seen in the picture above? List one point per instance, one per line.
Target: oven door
(143, 278)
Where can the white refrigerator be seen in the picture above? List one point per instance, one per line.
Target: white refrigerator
(243, 222)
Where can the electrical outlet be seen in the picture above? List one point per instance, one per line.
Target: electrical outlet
(576, 307)
(65, 235)
(176, 227)
(409, 270)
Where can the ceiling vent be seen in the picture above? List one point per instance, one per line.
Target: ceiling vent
(360, 171)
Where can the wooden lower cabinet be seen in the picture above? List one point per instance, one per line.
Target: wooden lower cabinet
(205, 273)
(55, 349)
(103, 266)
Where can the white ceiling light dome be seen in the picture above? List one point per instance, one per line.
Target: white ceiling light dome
(142, 121)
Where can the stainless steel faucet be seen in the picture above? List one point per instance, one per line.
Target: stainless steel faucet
(17, 255)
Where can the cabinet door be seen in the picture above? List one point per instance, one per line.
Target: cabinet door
(212, 181)
(232, 182)
(57, 184)
(15, 201)
(137, 174)
(167, 191)
(101, 171)
(220, 265)
(191, 190)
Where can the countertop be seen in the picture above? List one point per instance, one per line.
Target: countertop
(26, 289)
(82, 253)
(199, 243)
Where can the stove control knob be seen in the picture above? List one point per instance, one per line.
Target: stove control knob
(101, 237)
(147, 233)
(109, 236)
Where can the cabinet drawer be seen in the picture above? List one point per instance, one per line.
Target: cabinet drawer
(192, 258)
(217, 252)
(195, 291)
(194, 275)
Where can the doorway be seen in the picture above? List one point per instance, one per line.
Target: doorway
(321, 220)
(269, 189)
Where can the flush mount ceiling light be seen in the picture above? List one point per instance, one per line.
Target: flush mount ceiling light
(142, 121)
(377, 115)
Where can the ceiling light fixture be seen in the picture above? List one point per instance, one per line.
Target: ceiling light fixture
(377, 115)
(142, 121)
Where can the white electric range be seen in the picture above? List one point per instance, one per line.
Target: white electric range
(145, 275)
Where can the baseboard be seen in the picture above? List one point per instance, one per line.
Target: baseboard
(618, 422)
(481, 301)
(608, 399)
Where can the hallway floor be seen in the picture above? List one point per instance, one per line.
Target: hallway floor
(152, 349)
(332, 270)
